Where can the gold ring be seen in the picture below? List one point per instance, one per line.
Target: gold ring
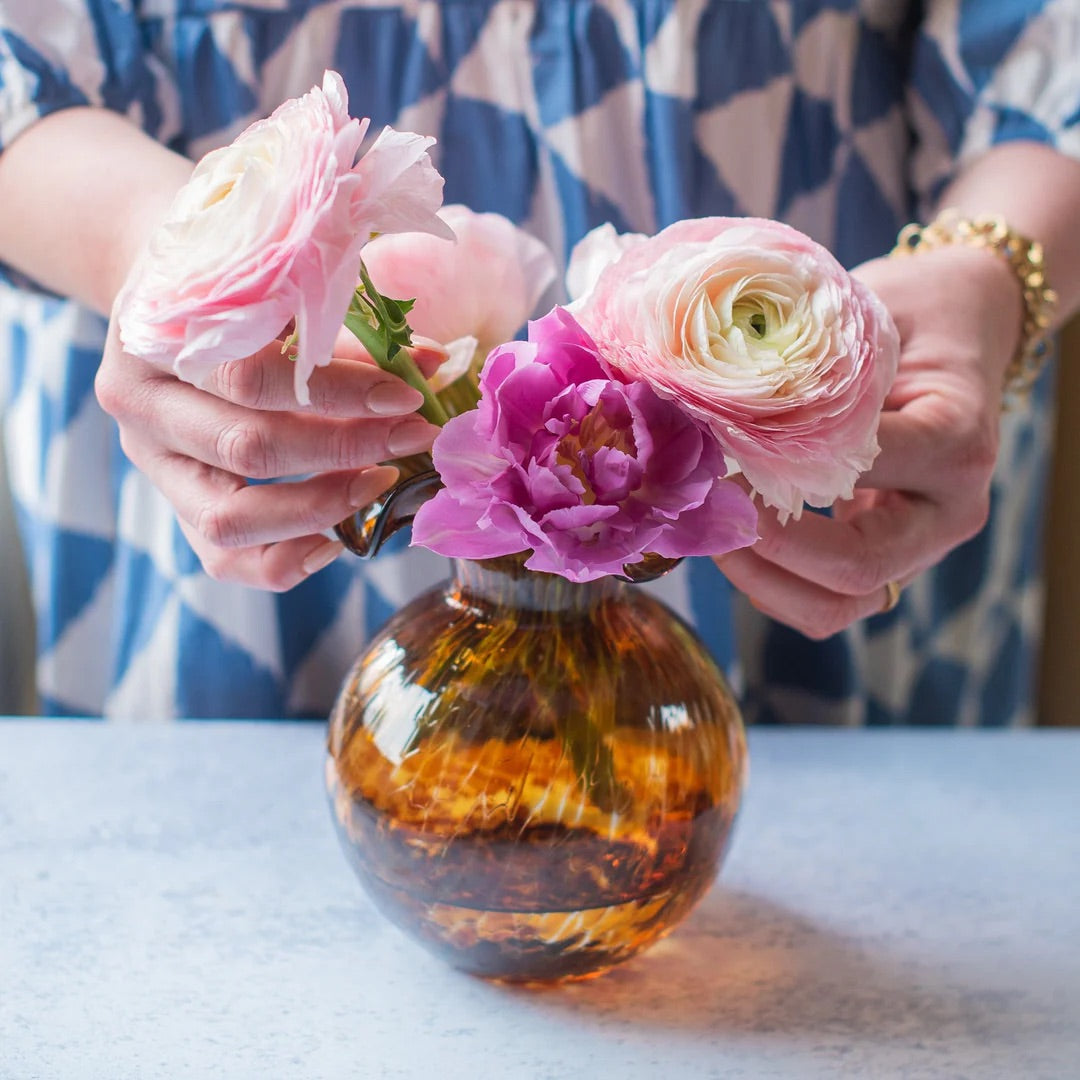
(892, 596)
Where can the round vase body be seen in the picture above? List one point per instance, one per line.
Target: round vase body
(536, 779)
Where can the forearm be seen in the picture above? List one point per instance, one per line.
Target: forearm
(1037, 191)
(80, 192)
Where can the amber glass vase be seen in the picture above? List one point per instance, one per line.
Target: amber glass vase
(537, 779)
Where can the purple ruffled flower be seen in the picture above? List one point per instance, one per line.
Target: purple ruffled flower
(564, 457)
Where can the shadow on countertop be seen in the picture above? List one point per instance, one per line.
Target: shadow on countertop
(744, 965)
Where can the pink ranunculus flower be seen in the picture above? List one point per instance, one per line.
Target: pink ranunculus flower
(471, 294)
(592, 255)
(762, 334)
(270, 229)
(589, 471)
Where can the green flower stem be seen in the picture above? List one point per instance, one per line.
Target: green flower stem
(404, 367)
(554, 649)
(461, 396)
(379, 324)
(583, 729)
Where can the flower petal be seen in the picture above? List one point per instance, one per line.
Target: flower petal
(450, 527)
(725, 521)
(760, 334)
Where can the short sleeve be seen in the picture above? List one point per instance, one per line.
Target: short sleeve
(56, 54)
(986, 72)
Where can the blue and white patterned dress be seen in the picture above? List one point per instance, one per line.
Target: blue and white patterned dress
(841, 117)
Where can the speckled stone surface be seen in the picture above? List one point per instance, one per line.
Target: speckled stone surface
(173, 904)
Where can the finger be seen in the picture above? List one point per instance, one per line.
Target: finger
(889, 537)
(427, 355)
(428, 358)
(275, 567)
(904, 460)
(343, 388)
(934, 448)
(803, 605)
(231, 514)
(423, 350)
(262, 446)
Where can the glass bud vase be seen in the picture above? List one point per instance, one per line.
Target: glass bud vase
(536, 779)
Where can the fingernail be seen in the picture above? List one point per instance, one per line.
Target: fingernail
(323, 556)
(393, 399)
(410, 436)
(367, 486)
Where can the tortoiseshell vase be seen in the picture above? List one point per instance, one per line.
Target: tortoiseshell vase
(536, 779)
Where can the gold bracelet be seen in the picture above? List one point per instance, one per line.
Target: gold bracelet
(1025, 259)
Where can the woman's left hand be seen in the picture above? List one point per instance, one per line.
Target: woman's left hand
(958, 312)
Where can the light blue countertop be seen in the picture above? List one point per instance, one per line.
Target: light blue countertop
(173, 904)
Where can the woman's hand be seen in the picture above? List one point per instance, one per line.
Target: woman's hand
(958, 312)
(200, 446)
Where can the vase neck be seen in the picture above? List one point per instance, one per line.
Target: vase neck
(507, 583)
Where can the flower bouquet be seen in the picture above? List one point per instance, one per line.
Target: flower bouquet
(535, 768)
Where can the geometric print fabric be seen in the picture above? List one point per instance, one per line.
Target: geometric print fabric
(844, 119)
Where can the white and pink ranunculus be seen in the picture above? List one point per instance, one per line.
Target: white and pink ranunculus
(759, 332)
(601, 247)
(472, 293)
(270, 229)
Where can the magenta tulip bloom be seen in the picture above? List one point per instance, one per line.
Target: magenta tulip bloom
(565, 457)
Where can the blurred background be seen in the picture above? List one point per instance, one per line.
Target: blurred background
(1059, 689)
(16, 623)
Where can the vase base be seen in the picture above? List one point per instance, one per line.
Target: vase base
(542, 947)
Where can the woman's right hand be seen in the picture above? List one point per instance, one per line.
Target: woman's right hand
(201, 446)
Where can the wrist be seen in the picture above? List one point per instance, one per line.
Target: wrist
(1012, 276)
(1036, 189)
